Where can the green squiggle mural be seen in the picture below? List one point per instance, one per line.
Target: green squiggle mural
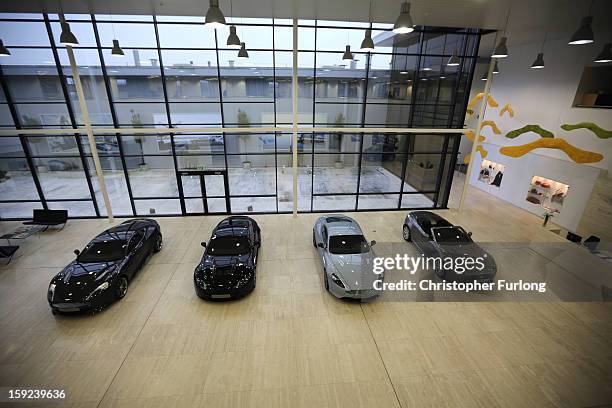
(601, 133)
(529, 128)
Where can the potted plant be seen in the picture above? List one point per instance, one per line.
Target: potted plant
(547, 216)
(137, 123)
(243, 121)
(338, 137)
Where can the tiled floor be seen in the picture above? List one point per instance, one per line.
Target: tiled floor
(290, 344)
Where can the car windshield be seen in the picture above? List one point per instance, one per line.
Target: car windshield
(228, 246)
(348, 244)
(103, 251)
(450, 235)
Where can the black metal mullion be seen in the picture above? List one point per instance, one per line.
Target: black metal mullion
(227, 191)
(415, 80)
(362, 124)
(113, 112)
(314, 107)
(22, 139)
(179, 184)
(77, 136)
(275, 121)
(457, 142)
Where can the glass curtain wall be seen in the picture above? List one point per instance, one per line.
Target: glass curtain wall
(177, 73)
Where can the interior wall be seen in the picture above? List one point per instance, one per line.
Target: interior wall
(544, 97)
(517, 178)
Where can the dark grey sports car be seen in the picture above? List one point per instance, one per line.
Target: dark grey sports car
(435, 237)
(101, 272)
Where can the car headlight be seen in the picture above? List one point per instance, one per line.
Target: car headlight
(199, 280)
(337, 280)
(51, 292)
(102, 287)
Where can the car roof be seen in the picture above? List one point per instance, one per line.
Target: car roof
(434, 219)
(123, 231)
(342, 225)
(233, 226)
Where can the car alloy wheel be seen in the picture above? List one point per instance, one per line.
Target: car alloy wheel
(406, 233)
(122, 287)
(159, 243)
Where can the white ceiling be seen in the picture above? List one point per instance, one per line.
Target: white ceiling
(529, 19)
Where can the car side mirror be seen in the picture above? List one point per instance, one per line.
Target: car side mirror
(372, 243)
(470, 234)
(77, 252)
(321, 245)
(203, 244)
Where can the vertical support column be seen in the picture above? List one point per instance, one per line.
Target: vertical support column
(294, 101)
(483, 109)
(89, 130)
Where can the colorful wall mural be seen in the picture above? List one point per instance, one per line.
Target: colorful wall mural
(547, 138)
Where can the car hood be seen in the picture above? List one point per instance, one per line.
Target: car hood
(470, 249)
(224, 269)
(355, 270)
(78, 280)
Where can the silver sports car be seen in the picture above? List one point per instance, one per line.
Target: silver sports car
(346, 256)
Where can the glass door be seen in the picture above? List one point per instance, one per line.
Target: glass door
(204, 192)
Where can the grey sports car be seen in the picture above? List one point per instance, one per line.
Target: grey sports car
(436, 237)
(346, 256)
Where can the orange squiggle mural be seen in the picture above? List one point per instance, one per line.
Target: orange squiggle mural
(492, 125)
(507, 108)
(574, 153)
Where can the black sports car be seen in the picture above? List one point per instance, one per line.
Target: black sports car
(227, 268)
(101, 272)
(437, 238)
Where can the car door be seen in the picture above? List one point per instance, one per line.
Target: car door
(135, 252)
(324, 237)
(255, 241)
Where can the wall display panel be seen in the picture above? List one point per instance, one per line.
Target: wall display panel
(491, 173)
(548, 193)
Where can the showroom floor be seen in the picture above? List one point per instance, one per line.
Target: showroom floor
(290, 344)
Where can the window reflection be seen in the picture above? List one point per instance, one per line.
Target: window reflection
(193, 80)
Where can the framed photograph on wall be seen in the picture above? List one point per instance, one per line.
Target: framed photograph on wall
(491, 173)
(548, 193)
